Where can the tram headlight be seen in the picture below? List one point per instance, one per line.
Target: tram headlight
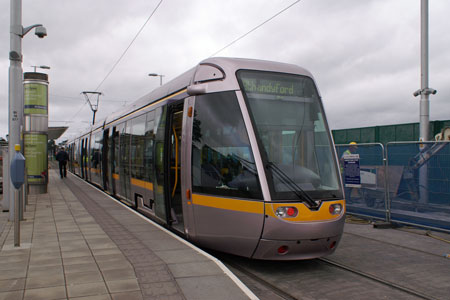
(335, 209)
(286, 212)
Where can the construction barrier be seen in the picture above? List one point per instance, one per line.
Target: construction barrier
(419, 183)
(368, 199)
(408, 183)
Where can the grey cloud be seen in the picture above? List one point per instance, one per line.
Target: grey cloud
(364, 55)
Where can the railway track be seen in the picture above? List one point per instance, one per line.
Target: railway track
(377, 279)
(313, 280)
(264, 289)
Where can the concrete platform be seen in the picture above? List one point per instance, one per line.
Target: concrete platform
(78, 243)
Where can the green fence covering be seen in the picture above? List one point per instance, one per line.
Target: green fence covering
(387, 133)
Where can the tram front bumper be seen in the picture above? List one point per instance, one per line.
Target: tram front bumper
(296, 250)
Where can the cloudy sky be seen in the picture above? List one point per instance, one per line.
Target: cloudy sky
(364, 55)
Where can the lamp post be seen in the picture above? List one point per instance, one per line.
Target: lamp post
(40, 67)
(15, 118)
(160, 77)
(424, 92)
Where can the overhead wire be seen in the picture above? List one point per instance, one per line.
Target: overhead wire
(81, 99)
(122, 55)
(148, 19)
(131, 43)
(82, 106)
(256, 27)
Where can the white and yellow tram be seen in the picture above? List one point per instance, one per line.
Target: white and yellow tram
(235, 155)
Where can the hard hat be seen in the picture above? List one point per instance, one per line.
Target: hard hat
(353, 143)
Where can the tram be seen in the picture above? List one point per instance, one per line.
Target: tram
(234, 155)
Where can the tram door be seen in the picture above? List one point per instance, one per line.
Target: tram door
(84, 159)
(124, 157)
(173, 166)
(105, 152)
(113, 142)
(87, 169)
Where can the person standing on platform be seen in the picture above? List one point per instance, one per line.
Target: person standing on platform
(62, 157)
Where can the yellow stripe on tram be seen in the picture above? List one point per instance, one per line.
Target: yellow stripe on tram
(97, 171)
(142, 183)
(255, 207)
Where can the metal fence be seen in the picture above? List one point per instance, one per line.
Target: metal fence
(419, 189)
(370, 198)
(406, 182)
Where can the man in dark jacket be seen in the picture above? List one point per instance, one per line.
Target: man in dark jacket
(62, 157)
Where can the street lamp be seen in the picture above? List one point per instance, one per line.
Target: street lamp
(40, 67)
(160, 77)
(15, 118)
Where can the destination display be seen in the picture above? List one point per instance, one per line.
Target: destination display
(35, 98)
(268, 87)
(276, 84)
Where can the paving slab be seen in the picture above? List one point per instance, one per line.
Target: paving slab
(78, 243)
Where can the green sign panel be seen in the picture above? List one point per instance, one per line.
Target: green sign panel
(35, 145)
(35, 98)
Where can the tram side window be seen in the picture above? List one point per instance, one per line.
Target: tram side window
(148, 146)
(160, 129)
(125, 134)
(137, 147)
(116, 163)
(96, 148)
(84, 153)
(77, 154)
(222, 159)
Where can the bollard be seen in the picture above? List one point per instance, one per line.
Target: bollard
(17, 175)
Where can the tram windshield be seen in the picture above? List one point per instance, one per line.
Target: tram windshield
(297, 150)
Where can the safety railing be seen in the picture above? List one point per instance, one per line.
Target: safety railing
(408, 183)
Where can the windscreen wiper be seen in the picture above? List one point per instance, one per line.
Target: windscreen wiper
(249, 165)
(298, 191)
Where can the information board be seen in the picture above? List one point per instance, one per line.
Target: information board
(352, 173)
(35, 98)
(36, 157)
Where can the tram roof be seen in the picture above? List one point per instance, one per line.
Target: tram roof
(226, 64)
